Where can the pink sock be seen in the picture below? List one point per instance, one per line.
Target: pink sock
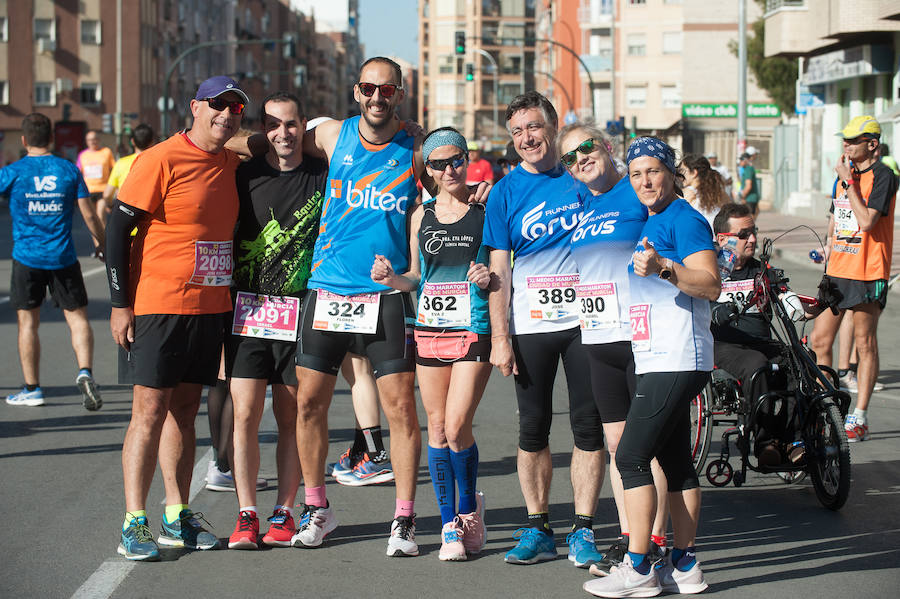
(316, 496)
(404, 508)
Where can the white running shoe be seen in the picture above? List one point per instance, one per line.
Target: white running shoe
(452, 549)
(216, 480)
(26, 398)
(625, 581)
(402, 542)
(685, 583)
(90, 392)
(315, 524)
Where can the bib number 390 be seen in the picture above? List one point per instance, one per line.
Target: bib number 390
(599, 305)
(346, 313)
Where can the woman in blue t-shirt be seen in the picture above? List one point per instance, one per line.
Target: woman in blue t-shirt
(673, 278)
(453, 337)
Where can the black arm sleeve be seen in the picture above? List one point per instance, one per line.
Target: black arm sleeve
(122, 221)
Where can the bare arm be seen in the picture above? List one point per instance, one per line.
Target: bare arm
(109, 194)
(321, 140)
(92, 221)
(383, 272)
(248, 146)
(698, 277)
(498, 307)
(865, 217)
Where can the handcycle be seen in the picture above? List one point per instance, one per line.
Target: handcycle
(812, 394)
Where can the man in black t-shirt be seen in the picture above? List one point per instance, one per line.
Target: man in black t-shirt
(281, 194)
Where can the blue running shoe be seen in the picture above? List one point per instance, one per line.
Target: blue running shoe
(187, 532)
(582, 548)
(534, 546)
(26, 398)
(346, 462)
(137, 541)
(367, 472)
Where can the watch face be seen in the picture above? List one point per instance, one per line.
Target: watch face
(665, 274)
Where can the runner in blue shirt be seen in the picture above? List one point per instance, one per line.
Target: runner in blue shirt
(43, 190)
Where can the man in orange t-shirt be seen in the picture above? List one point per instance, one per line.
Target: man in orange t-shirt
(96, 163)
(861, 238)
(170, 296)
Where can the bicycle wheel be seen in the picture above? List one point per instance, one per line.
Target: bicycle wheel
(701, 426)
(828, 455)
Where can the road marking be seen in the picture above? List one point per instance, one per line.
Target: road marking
(112, 572)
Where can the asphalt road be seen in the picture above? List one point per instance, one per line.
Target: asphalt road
(62, 501)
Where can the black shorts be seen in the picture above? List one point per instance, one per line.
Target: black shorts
(442, 347)
(390, 349)
(612, 378)
(860, 292)
(254, 358)
(28, 287)
(169, 349)
(96, 197)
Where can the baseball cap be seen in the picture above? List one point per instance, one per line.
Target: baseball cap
(752, 151)
(710, 155)
(218, 85)
(472, 145)
(861, 125)
(744, 156)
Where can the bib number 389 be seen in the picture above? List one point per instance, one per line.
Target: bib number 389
(552, 297)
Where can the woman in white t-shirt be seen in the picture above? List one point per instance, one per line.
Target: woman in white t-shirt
(704, 188)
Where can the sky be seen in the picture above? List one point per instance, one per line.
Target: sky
(390, 28)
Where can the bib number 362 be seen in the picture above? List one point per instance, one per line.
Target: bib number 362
(444, 305)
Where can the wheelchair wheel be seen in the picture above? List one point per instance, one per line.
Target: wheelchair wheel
(701, 426)
(828, 455)
(791, 478)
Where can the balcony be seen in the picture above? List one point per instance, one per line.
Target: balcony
(595, 14)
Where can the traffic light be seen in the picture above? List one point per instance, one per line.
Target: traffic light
(633, 127)
(460, 42)
(470, 72)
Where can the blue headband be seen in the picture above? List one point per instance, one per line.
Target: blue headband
(654, 148)
(444, 137)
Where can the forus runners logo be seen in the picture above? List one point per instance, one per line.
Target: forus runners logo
(600, 227)
(532, 228)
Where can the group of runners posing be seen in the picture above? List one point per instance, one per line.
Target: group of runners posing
(330, 239)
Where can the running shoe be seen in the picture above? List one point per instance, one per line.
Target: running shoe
(851, 383)
(583, 548)
(187, 532)
(246, 531)
(534, 546)
(474, 530)
(657, 554)
(137, 541)
(613, 557)
(216, 480)
(452, 549)
(625, 581)
(367, 472)
(90, 392)
(856, 430)
(402, 542)
(26, 398)
(673, 580)
(282, 529)
(346, 462)
(315, 524)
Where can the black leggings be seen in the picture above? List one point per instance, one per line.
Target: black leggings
(659, 425)
(537, 358)
(612, 378)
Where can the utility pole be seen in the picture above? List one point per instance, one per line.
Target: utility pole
(742, 77)
(487, 55)
(117, 126)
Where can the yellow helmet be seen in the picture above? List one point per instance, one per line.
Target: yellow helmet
(861, 125)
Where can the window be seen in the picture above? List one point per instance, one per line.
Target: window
(671, 42)
(636, 96)
(670, 96)
(4, 29)
(637, 44)
(4, 93)
(90, 33)
(449, 93)
(44, 93)
(45, 29)
(637, 1)
(89, 93)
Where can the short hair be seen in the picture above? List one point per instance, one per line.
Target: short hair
(398, 72)
(142, 136)
(727, 212)
(280, 96)
(36, 128)
(588, 127)
(94, 131)
(532, 99)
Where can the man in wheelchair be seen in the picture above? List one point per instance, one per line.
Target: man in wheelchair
(744, 343)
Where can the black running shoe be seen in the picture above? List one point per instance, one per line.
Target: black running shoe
(611, 557)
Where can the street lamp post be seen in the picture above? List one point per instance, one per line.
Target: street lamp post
(487, 55)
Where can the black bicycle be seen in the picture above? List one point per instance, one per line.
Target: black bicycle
(814, 402)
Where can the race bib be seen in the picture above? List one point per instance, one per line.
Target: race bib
(266, 317)
(599, 305)
(845, 223)
(738, 292)
(551, 297)
(212, 264)
(346, 313)
(640, 327)
(93, 171)
(444, 305)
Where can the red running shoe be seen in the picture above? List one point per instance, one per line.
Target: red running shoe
(245, 532)
(281, 529)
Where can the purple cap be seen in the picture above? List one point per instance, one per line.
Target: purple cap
(216, 86)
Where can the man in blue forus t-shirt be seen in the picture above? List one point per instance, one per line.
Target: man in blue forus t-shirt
(535, 323)
(43, 190)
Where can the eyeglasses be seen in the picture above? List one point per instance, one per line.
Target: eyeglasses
(387, 90)
(857, 140)
(440, 164)
(585, 147)
(743, 234)
(219, 104)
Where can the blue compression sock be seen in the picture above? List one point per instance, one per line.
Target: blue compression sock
(441, 469)
(640, 562)
(684, 559)
(465, 471)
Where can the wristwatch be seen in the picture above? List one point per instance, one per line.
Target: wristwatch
(665, 273)
(846, 184)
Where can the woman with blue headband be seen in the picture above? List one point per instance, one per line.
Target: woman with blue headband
(453, 338)
(673, 278)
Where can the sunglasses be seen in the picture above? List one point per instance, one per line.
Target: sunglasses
(743, 234)
(857, 140)
(219, 104)
(387, 90)
(439, 164)
(585, 147)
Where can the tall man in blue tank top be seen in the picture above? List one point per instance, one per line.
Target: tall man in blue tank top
(535, 321)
